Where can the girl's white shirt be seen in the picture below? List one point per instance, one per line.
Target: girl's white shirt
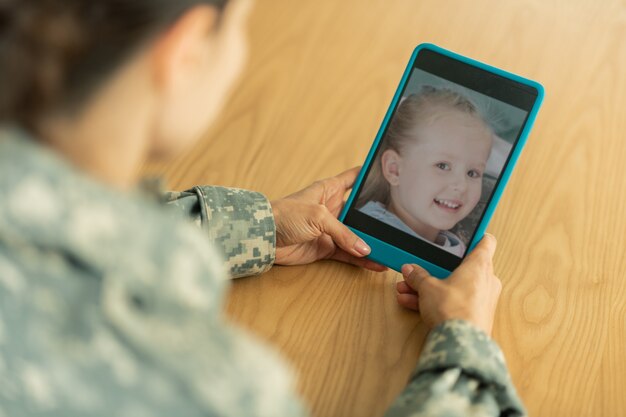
(446, 240)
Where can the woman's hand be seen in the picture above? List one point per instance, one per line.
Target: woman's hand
(307, 228)
(470, 293)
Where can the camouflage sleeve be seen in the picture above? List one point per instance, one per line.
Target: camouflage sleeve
(239, 222)
(461, 372)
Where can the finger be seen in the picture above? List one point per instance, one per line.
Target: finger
(415, 276)
(481, 256)
(403, 288)
(348, 177)
(485, 250)
(342, 236)
(345, 257)
(409, 301)
(479, 262)
(374, 267)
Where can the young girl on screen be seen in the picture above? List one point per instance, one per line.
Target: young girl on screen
(427, 175)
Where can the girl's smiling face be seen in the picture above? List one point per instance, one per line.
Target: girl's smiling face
(437, 180)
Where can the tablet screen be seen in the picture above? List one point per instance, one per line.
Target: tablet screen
(440, 158)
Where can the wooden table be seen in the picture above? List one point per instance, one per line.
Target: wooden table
(319, 80)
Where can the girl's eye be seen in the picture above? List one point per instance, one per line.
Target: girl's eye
(442, 165)
(474, 174)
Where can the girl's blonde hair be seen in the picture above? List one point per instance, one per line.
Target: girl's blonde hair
(412, 111)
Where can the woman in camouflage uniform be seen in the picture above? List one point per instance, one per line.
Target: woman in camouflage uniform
(110, 303)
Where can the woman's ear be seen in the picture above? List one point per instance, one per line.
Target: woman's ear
(193, 67)
(390, 161)
(181, 51)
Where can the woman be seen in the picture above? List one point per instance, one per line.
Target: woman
(110, 302)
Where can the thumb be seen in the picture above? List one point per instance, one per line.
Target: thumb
(348, 177)
(344, 237)
(416, 276)
(485, 249)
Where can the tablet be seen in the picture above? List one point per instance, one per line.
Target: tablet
(440, 161)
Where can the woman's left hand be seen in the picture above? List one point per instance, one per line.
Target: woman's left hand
(307, 228)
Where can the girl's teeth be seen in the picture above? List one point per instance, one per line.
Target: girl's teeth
(447, 204)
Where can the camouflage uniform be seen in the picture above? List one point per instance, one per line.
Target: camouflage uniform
(110, 305)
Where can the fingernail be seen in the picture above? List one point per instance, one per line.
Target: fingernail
(407, 269)
(362, 247)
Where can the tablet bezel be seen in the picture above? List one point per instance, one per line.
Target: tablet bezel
(476, 76)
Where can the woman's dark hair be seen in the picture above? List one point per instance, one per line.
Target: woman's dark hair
(53, 53)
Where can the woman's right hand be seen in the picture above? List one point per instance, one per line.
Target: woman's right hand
(470, 293)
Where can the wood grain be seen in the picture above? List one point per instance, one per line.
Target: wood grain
(320, 77)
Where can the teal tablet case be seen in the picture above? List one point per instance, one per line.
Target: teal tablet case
(393, 257)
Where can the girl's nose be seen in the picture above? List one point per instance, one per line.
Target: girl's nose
(460, 183)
